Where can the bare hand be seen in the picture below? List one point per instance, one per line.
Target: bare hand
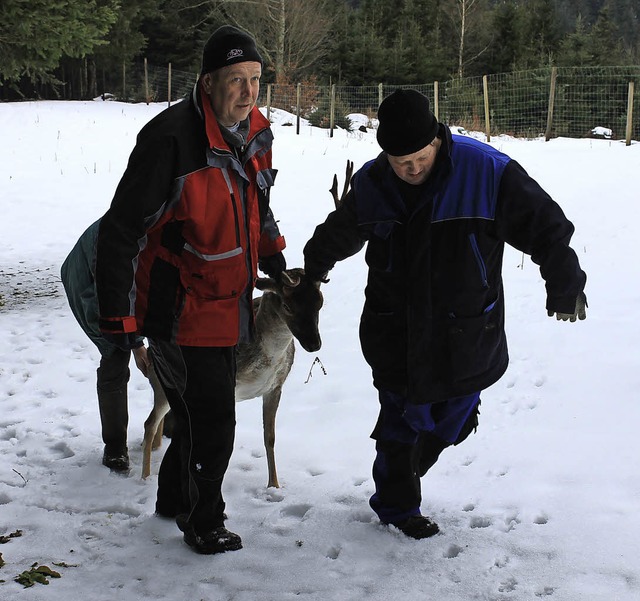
(142, 360)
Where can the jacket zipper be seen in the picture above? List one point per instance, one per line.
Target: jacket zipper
(479, 260)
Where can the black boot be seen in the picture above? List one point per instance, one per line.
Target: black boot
(115, 418)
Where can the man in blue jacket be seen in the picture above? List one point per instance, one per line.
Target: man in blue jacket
(435, 211)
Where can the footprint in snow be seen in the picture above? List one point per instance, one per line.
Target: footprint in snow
(296, 511)
(8, 432)
(547, 591)
(63, 450)
(452, 552)
(480, 522)
(508, 586)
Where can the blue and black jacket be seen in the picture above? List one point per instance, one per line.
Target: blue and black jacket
(432, 326)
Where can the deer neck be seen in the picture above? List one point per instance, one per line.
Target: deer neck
(271, 329)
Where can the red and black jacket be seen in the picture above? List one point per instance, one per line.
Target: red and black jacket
(178, 248)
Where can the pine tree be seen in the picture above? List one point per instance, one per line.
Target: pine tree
(35, 35)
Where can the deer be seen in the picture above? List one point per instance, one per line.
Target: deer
(262, 364)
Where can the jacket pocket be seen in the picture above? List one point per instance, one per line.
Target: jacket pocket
(383, 341)
(379, 246)
(474, 344)
(213, 277)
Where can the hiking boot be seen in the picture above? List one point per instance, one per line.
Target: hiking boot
(418, 526)
(217, 540)
(118, 462)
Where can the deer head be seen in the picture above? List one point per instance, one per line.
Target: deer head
(300, 304)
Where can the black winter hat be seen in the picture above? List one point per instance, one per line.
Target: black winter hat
(227, 46)
(405, 123)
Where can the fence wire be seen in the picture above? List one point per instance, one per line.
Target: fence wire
(585, 98)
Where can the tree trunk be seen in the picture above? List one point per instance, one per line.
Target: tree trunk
(462, 7)
(279, 66)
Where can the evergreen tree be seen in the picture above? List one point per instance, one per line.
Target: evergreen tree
(605, 44)
(366, 59)
(575, 48)
(126, 40)
(176, 34)
(626, 14)
(506, 46)
(332, 69)
(541, 35)
(36, 35)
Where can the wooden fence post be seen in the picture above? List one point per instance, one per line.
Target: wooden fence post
(332, 110)
(146, 81)
(380, 92)
(268, 102)
(298, 109)
(169, 86)
(487, 123)
(630, 112)
(436, 101)
(552, 99)
(124, 81)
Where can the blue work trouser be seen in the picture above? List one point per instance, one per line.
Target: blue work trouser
(409, 439)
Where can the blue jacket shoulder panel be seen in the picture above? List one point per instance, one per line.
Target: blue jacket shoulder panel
(472, 186)
(376, 198)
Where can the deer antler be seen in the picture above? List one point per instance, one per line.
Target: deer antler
(345, 189)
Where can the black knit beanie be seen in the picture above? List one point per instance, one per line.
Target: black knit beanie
(227, 46)
(405, 123)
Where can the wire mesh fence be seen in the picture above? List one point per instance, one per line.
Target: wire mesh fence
(563, 101)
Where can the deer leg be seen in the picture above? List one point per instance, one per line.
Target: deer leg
(157, 439)
(270, 402)
(153, 424)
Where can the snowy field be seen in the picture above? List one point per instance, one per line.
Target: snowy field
(541, 503)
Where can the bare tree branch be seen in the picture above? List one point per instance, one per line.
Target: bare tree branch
(290, 33)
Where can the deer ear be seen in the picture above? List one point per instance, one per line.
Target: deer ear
(290, 278)
(265, 284)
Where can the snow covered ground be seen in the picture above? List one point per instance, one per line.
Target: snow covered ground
(541, 503)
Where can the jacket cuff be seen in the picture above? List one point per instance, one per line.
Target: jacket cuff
(268, 247)
(115, 325)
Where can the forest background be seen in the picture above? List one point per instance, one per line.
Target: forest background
(77, 49)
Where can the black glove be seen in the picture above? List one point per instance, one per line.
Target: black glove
(273, 265)
(579, 312)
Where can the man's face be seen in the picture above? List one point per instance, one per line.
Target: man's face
(233, 91)
(415, 168)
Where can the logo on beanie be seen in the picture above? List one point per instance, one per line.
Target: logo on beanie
(235, 53)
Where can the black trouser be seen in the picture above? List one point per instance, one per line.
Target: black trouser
(200, 385)
(112, 379)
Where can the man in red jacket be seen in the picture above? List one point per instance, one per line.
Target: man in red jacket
(177, 256)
